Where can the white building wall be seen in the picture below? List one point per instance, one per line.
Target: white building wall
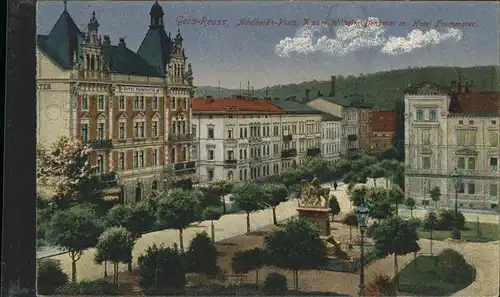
(331, 140)
(306, 134)
(443, 150)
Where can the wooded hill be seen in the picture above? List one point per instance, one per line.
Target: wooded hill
(382, 89)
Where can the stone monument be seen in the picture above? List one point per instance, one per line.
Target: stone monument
(313, 205)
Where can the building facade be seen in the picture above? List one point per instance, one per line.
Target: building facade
(365, 127)
(355, 115)
(236, 139)
(448, 128)
(129, 107)
(383, 130)
(331, 138)
(300, 131)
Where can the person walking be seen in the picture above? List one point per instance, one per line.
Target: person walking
(335, 185)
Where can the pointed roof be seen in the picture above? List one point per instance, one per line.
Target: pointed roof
(63, 40)
(123, 60)
(156, 48)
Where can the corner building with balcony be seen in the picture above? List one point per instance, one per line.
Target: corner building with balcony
(133, 108)
(237, 139)
(447, 128)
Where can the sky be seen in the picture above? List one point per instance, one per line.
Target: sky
(282, 42)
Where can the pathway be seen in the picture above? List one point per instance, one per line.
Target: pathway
(228, 226)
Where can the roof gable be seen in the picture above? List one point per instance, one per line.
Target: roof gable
(63, 41)
(426, 88)
(123, 60)
(156, 48)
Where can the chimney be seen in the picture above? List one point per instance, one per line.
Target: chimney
(107, 41)
(307, 94)
(121, 42)
(332, 86)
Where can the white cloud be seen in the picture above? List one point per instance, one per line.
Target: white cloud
(418, 39)
(348, 39)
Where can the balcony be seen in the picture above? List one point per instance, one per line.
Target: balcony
(352, 137)
(254, 139)
(230, 163)
(180, 137)
(254, 159)
(287, 138)
(289, 153)
(100, 144)
(313, 152)
(108, 180)
(185, 167)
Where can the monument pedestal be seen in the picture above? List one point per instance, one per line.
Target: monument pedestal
(319, 216)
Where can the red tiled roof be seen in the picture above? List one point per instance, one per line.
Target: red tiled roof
(384, 121)
(481, 102)
(234, 105)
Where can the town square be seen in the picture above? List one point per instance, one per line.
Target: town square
(274, 148)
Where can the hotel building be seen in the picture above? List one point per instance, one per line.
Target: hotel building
(132, 108)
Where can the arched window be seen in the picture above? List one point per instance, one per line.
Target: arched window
(230, 175)
(92, 62)
(88, 61)
(138, 192)
(173, 157)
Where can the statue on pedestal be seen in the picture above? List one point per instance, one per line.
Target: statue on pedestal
(313, 195)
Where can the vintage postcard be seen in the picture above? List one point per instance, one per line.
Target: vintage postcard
(267, 148)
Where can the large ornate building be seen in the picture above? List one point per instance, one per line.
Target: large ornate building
(448, 128)
(133, 108)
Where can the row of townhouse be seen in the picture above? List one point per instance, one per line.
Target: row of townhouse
(448, 128)
(241, 139)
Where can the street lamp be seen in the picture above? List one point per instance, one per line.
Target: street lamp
(455, 176)
(362, 213)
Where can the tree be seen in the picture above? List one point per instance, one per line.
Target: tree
(245, 261)
(201, 256)
(297, 247)
(375, 171)
(358, 194)
(410, 203)
(391, 168)
(430, 223)
(435, 194)
(350, 220)
(276, 193)
(137, 219)
(396, 196)
(249, 197)
(212, 214)
(76, 230)
(334, 205)
(49, 276)
(161, 268)
(395, 236)
(178, 209)
(64, 167)
(222, 188)
(115, 245)
(379, 203)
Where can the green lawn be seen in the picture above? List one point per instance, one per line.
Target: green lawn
(422, 278)
(487, 232)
